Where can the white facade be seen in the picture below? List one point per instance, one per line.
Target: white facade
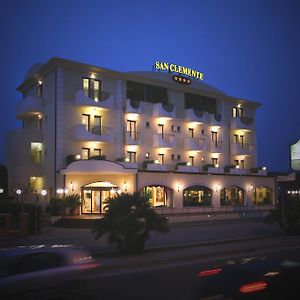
(190, 147)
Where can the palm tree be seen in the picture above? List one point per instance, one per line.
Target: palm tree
(286, 215)
(128, 221)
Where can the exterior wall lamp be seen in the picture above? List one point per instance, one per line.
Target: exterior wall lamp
(179, 187)
(125, 187)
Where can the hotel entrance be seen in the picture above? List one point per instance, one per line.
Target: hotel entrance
(95, 196)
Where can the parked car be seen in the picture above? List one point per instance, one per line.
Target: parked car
(249, 278)
(33, 269)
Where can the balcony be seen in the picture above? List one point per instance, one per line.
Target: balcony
(232, 169)
(242, 149)
(195, 144)
(132, 138)
(133, 106)
(106, 102)
(29, 107)
(215, 120)
(192, 115)
(213, 169)
(244, 123)
(94, 134)
(187, 169)
(164, 140)
(163, 110)
(157, 167)
(217, 147)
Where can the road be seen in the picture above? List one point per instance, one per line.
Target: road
(160, 282)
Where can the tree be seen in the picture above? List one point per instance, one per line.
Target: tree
(286, 215)
(127, 221)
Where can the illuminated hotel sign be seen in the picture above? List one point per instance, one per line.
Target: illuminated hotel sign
(172, 68)
(295, 156)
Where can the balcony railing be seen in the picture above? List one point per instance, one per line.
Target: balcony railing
(133, 106)
(105, 101)
(242, 149)
(132, 137)
(93, 133)
(242, 123)
(163, 110)
(195, 144)
(192, 115)
(29, 106)
(217, 147)
(216, 119)
(164, 140)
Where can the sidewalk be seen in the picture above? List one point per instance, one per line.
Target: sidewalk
(181, 235)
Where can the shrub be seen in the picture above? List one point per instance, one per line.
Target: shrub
(56, 206)
(72, 202)
(128, 221)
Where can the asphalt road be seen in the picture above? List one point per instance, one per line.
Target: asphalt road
(157, 282)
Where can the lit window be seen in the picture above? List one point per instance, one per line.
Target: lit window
(85, 153)
(36, 152)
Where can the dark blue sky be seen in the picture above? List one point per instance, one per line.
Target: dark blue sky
(248, 49)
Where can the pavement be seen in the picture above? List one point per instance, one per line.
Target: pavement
(188, 239)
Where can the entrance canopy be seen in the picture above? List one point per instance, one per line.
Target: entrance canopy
(100, 184)
(96, 167)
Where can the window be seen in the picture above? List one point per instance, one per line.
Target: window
(197, 196)
(262, 195)
(92, 88)
(36, 153)
(242, 141)
(202, 131)
(173, 157)
(237, 112)
(85, 119)
(97, 90)
(242, 164)
(97, 152)
(191, 160)
(191, 132)
(161, 158)
(131, 156)
(214, 137)
(236, 162)
(214, 161)
(232, 196)
(36, 183)
(236, 138)
(131, 128)
(85, 153)
(97, 128)
(159, 196)
(148, 124)
(178, 157)
(86, 86)
(161, 130)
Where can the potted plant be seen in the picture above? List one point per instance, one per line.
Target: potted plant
(73, 202)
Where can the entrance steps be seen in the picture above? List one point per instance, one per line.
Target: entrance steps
(69, 222)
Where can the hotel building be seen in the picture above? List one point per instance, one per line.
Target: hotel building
(95, 132)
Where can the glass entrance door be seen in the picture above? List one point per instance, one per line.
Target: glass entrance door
(94, 201)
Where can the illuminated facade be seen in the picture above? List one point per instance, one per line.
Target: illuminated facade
(95, 132)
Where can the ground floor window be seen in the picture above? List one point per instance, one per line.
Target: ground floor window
(95, 200)
(197, 196)
(232, 196)
(262, 195)
(159, 196)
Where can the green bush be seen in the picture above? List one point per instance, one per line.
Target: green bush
(57, 206)
(287, 216)
(72, 202)
(128, 221)
(15, 209)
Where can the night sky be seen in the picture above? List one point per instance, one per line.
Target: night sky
(248, 49)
